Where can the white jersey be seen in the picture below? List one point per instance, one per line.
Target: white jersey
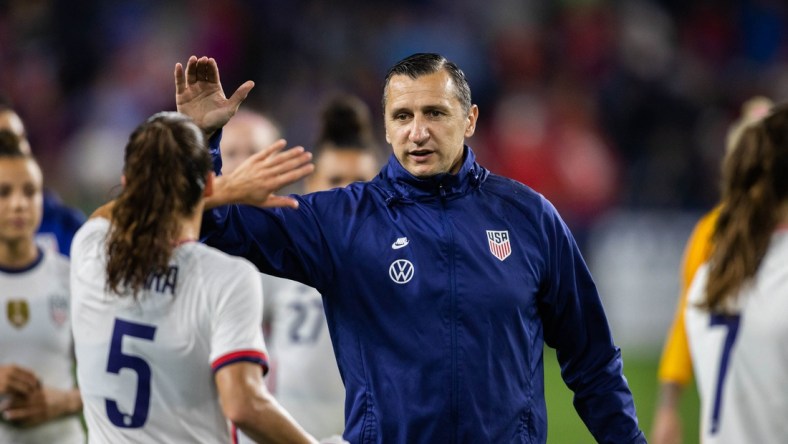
(740, 361)
(304, 375)
(146, 368)
(35, 332)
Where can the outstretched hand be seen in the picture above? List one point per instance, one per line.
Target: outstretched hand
(259, 176)
(199, 94)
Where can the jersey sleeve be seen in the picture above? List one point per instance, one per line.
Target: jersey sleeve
(675, 365)
(575, 325)
(236, 333)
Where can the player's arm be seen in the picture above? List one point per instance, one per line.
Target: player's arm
(247, 403)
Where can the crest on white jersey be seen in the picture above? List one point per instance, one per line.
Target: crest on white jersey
(58, 309)
(17, 312)
(401, 271)
(499, 243)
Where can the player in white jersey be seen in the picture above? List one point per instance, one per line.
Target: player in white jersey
(304, 375)
(38, 400)
(736, 306)
(167, 330)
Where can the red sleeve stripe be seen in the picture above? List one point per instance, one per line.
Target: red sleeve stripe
(234, 433)
(241, 355)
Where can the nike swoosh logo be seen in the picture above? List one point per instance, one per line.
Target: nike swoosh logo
(399, 244)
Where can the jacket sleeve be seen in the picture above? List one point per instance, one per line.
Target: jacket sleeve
(576, 326)
(281, 241)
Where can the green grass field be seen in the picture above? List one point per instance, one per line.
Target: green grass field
(565, 427)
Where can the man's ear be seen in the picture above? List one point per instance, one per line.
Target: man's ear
(208, 191)
(123, 180)
(473, 116)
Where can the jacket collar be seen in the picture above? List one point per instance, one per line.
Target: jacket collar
(406, 186)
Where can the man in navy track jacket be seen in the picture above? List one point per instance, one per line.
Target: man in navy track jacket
(441, 281)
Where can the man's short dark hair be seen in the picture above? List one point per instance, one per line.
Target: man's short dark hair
(420, 64)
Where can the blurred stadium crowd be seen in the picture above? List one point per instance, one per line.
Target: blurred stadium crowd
(599, 105)
(594, 103)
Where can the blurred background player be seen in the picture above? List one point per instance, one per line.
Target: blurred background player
(59, 222)
(38, 400)
(304, 375)
(168, 336)
(675, 367)
(737, 302)
(247, 133)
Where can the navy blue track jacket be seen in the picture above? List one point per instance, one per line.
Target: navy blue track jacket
(439, 295)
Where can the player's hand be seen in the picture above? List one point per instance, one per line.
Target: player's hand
(17, 380)
(43, 405)
(262, 174)
(199, 94)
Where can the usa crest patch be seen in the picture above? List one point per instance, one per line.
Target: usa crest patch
(499, 243)
(17, 312)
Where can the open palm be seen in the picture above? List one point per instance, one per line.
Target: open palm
(199, 94)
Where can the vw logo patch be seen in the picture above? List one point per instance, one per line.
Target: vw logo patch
(401, 271)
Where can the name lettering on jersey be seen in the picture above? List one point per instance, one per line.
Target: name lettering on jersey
(163, 281)
(499, 243)
(58, 309)
(18, 312)
(401, 271)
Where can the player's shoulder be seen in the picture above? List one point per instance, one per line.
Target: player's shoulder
(217, 263)
(92, 230)
(697, 290)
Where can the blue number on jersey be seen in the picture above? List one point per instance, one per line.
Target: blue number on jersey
(117, 361)
(305, 328)
(732, 323)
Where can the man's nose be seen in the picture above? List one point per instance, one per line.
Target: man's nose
(419, 132)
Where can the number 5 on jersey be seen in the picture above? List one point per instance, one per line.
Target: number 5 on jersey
(118, 361)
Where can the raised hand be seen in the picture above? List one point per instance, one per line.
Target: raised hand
(260, 175)
(199, 94)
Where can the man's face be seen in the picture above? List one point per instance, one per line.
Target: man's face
(21, 199)
(338, 168)
(425, 123)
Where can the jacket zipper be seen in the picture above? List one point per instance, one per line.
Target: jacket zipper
(453, 318)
